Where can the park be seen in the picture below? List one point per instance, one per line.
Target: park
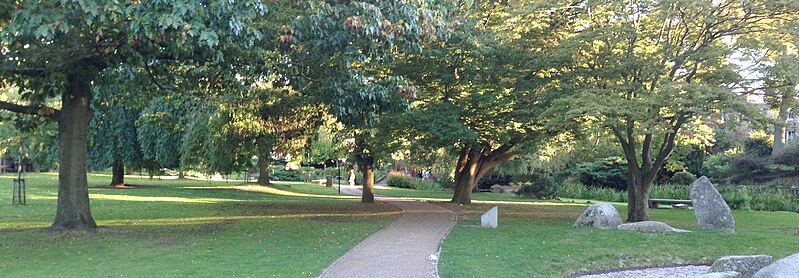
(408, 138)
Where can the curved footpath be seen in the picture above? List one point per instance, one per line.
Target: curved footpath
(402, 249)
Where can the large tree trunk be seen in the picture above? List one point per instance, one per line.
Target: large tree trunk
(263, 164)
(472, 164)
(779, 129)
(638, 187)
(367, 166)
(73, 211)
(117, 172)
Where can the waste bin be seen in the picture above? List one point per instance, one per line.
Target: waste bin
(329, 181)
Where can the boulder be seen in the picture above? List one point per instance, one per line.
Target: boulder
(726, 274)
(783, 268)
(650, 227)
(711, 211)
(745, 265)
(599, 215)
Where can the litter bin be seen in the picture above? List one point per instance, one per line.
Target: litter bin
(329, 181)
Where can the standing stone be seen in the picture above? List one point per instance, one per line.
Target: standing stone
(712, 212)
(599, 215)
(745, 265)
(787, 267)
(490, 218)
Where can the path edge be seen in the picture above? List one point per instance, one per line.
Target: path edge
(441, 243)
(364, 240)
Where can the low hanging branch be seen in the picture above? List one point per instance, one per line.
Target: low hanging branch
(39, 110)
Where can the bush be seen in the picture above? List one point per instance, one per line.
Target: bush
(757, 147)
(718, 164)
(671, 191)
(789, 156)
(683, 177)
(538, 186)
(610, 172)
(400, 179)
(490, 179)
(737, 199)
(747, 165)
(280, 174)
(426, 185)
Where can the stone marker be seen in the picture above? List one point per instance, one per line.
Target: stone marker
(745, 265)
(787, 267)
(599, 215)
(650, 227)
(711, 211)
(726, 274)
(490, 218)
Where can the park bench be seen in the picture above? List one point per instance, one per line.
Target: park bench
(653, 203)
(793, 192)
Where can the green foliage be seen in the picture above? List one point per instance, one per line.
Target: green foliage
(538, 187)
(748, 165)
(757, 147)
(789, 156)
(683, 178)
(609, 172)
(402, 180)
(399, 179)
(718, 164)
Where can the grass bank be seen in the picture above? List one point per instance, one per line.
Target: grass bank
(185, 228)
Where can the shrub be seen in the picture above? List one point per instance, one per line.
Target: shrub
(737, 199)
(426, 185)
(400, 179)
(757, 147)
(747, 165)
(490, 179)
(280, 174)
(610, 172)
(683, 177)
(789, 156)
(718, 164)
(539, 187)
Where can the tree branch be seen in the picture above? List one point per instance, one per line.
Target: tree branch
(44, 111)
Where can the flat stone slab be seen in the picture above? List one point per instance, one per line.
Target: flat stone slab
(406, 248)
(745, 265)
(725, 274)
(650, 227)
(490, 218)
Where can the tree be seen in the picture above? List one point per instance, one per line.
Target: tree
(646, 69)
(339, 52)
(484, 91)
(113, 139)
(61, 47)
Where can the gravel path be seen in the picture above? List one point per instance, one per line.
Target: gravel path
(665, 272)
(403, 249)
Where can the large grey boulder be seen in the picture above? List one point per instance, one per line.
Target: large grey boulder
(599, 215)
(745, 265)
(712, 212)
(726, 274)
(650, 227)
(787, 267)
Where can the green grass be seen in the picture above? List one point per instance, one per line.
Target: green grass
(537, 240)
(185, 228)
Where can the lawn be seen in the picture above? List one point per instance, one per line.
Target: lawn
(202, 228)
(185, 228)
(535, 238)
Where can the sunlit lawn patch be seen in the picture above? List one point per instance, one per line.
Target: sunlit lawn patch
(185, 228)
